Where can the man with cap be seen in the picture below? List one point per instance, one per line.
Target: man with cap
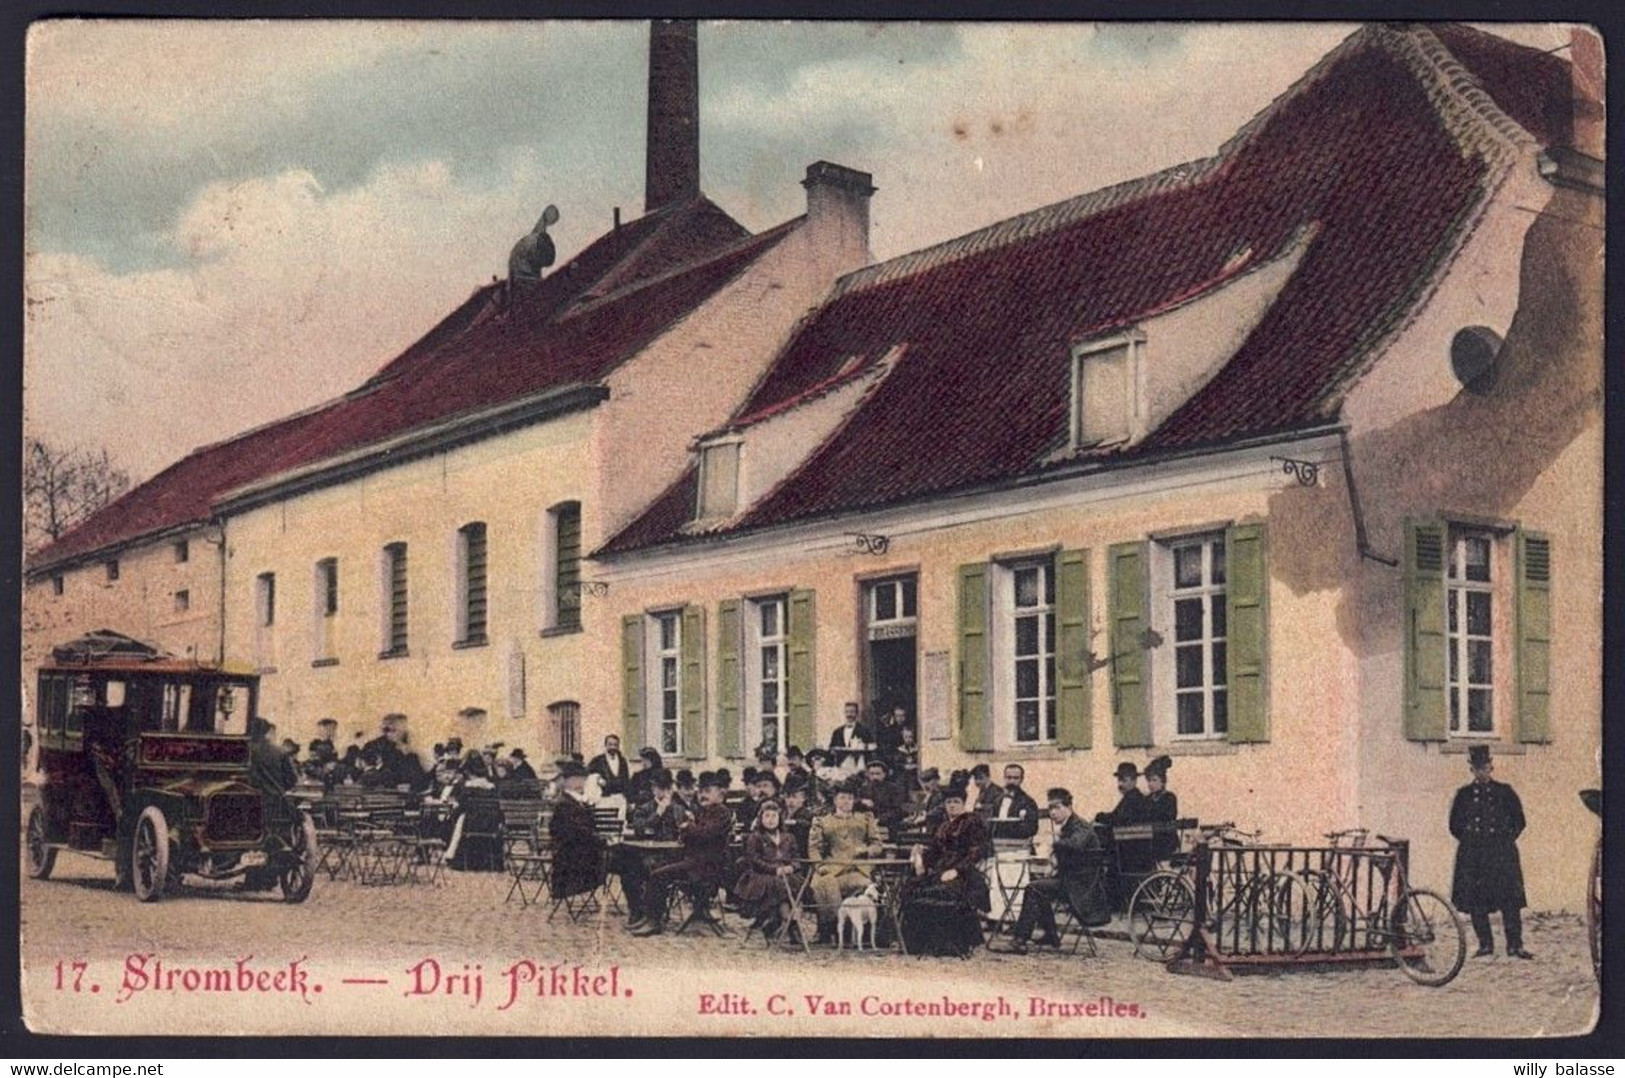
(578, 851)
(659, 819)
(837, 843)
(1130, 802)
(687, 790)
(1015, 813)
(520, 767)
(1486, 818)
(931, 812)
(1077, 856)
(611, 768)
(705, 856)
(1130, 810)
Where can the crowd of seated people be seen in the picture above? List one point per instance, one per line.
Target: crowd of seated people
(797, 822)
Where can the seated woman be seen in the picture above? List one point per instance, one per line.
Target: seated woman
(769, 877)
(943, 900)
(1161, 808)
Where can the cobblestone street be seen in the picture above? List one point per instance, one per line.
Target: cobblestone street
(351, 932)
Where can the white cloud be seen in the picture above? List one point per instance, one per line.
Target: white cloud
(289, 295)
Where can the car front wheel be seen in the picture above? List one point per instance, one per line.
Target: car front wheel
(149, 855)
(298, 872)
(41, 857)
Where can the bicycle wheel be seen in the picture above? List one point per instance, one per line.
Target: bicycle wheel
(1161, 915)
(1426, 939)
(1286, 912)
(1325, 926)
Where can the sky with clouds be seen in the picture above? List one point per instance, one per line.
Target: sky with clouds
(230, 221)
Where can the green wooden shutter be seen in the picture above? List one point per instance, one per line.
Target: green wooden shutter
(632, 680)
(730, 730)
(1246, 600)
(801, 681)
(1126, 597)
(975, 724)
(1073, 721)
(1533, 661)
(1424, 632)
(692, 703)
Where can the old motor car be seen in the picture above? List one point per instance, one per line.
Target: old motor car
(144, 760)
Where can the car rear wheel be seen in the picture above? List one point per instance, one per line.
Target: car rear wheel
(149, 855)
(298, 872)
(41, 857)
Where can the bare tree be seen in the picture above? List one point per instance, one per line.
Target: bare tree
(63, 486)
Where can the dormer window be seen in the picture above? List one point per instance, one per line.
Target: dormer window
(1107, 406)
(719, 479)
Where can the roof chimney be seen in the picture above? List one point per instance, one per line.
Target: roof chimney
(672, 167)
(838, 207)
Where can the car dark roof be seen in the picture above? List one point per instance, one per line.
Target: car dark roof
(574, 326)
(1377, 162)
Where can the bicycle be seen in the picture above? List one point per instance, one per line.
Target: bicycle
(1416, 926)
(1260, 907)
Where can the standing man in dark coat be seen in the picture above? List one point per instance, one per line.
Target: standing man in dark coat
(578, 851)
(1487, 818)
(611, 767)
(1015, 813)
(1077, 878)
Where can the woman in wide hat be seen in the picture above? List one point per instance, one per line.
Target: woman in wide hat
(942, 902)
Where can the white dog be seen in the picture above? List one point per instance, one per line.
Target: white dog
(860, 911)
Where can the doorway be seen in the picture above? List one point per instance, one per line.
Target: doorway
(891, 667)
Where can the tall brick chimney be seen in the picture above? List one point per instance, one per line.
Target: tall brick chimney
(672, 165)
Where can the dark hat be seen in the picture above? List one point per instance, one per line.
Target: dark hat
(327, 722)
(1126, 770)
(572, 770)
(981, 771)
(648, 753)
(767, 774)
(1059, 793)
(817, 754)
(661, 777)
(685, 777)
(454, 745)
(793, 752)
(316, 745)
(517, 754)
(930, 774)
(725, 778)
(955, 792)
(713, 778)
(846, 786)
(1159, 766)
(796, 783)
(875, 761)
(1478, 756)
(750, 775)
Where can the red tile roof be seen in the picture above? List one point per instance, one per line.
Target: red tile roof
(574, 326)
(1385, 151)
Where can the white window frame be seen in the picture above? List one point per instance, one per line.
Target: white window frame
(900, 615)
(1135, 390)
(656, 689)
(702, 512)
(1458, 641)
(758, 645)
(1165, 691)
(1005, 614)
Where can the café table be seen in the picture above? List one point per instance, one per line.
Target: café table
(887, 879)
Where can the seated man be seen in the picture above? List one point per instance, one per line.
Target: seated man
(660, 819)
(1076, 879)
(578, 851)
(881, 797)
(705, 855)
(838, 842)
(1015, 813)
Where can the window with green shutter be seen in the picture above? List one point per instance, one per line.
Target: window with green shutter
(1246, 630)
(632, 694)
(1074, 725)
(1423, 631)
(801, 674)
(1534, 636)
(975, 722)
(730, 681)
(1127, 637)
(692, 692)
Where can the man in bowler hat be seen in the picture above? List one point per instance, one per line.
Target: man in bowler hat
(1487, 818)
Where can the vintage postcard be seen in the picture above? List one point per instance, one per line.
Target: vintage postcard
(818, 529)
